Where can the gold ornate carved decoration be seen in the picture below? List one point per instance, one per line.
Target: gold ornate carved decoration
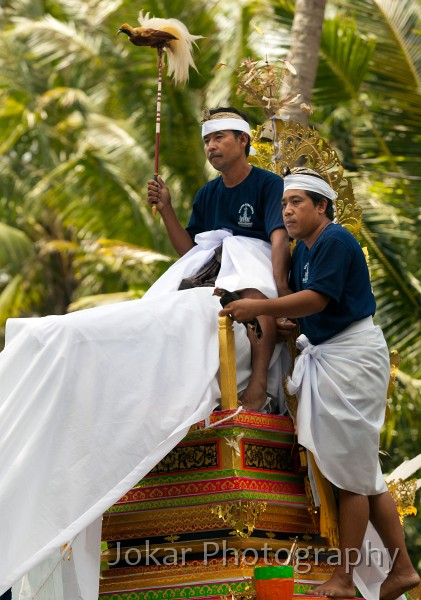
(293, 146)
(299, 146)
(328, 510)
(290, 144)
(242, 516)
(403, 492)
(248, 593)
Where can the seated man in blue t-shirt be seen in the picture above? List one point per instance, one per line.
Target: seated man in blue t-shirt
(244, 200)
(341, 379)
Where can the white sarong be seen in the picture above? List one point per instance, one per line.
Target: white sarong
(91, 401)
(342, 387)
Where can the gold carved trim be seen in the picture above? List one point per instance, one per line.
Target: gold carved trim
(248, 593)
(403, 492)
(243, 516)
(292, 146)
(328, 509)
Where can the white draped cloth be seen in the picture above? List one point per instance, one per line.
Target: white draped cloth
(342, 388)
(91, 401)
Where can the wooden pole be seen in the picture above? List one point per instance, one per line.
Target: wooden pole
(158, 118)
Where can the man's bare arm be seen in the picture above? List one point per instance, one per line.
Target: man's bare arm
(281, 260)
(159, 195)
(299, 304)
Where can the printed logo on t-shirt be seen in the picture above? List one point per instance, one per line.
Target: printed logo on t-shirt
(305, 276)
(246, 213)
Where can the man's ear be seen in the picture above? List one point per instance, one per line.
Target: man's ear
(322, 206)
(244, 138)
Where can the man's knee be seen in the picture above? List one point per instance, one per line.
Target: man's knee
(252, 293)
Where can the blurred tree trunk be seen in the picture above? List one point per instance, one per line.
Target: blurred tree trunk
(303, 54)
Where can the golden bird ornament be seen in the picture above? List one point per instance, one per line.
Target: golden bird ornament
(170, 35)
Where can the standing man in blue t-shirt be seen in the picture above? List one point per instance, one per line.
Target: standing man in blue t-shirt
(341, 379)
(246, 201)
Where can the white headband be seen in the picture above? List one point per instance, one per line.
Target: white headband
(310, 183)
(213, 125)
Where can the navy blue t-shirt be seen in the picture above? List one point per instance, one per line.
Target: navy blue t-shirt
(335, 266)
(252, 208)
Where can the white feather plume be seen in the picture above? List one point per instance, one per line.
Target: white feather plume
(179, 51)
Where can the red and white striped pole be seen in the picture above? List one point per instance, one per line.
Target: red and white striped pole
(158, 117)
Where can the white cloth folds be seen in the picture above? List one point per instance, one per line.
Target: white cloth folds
(342, 388)
(91, 401)
(246, 263)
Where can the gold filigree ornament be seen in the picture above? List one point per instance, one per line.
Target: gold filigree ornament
(248, 593)
(242, 516)
(296, 146)
(403, 492)
(281, 144)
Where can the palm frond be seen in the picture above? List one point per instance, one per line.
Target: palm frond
(15, 248)
(93, 12)
(345, 58)
(10, 299)
(391, 239)
(56, 42)
(400, 55)
(392, 89)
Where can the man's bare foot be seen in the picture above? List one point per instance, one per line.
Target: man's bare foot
(253, 398)
(336, 587)
(397, 584)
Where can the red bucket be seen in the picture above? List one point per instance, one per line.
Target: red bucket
(274, 582)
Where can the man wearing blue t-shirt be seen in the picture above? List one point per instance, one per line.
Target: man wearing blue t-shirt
(341, 379)
(244, 201)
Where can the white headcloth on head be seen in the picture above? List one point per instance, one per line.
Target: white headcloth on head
(213, 125)
(310, 183)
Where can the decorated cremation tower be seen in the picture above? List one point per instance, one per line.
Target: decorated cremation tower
(235, 492)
